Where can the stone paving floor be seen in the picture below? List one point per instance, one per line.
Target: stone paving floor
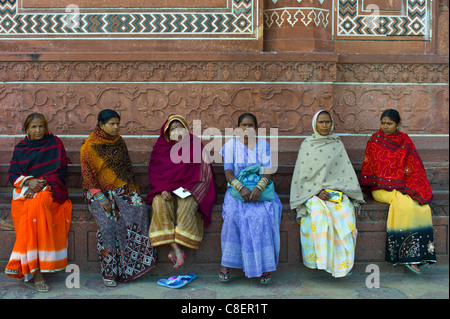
(300, 283)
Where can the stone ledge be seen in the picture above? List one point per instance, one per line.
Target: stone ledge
(371, 225)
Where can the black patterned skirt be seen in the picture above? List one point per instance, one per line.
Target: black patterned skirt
(124, 247)
(409, 237)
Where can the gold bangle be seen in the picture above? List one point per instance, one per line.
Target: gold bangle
(262, 184)
(237, 185)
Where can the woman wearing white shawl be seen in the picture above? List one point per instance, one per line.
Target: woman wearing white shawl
(327, 229)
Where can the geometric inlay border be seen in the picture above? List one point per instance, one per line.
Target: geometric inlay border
(351, 22)
(311, 16)
(238, 21)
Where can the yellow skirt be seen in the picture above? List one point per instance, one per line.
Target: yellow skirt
(176, 221)
(409, 229)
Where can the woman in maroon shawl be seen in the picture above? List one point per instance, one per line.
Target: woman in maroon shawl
(178, 162)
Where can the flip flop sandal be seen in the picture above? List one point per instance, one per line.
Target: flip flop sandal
(225, 275)
(173, 282)
(11, 272)
(189, 277)
(109, 282)
(43, 286)
(417, 272)
(265, 278)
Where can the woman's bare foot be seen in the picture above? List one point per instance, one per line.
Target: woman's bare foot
(171, 256)
(180, 255)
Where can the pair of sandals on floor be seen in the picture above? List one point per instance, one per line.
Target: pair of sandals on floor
(172, 282)
(172, 257)
(224, 275)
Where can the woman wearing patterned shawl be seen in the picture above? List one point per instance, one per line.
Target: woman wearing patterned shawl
(113, 199)
(327, 227)
(177, 160)
(40, 208)
(393, 170)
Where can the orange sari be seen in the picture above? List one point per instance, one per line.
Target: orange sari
(41, 226)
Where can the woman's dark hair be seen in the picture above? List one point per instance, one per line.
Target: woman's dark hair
(33, 116)
(107, 114)
(243, 116)
(326, 112)
(392, 114)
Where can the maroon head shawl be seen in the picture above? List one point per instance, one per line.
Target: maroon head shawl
(192, 172)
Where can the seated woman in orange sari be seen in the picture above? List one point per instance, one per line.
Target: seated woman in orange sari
(393, 171)
(40, 209)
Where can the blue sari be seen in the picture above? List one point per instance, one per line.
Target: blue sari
(251, 231)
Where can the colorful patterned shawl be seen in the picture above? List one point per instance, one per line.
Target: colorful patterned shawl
(43, 159)
(192, 173)
(392, 162)
(105, 163)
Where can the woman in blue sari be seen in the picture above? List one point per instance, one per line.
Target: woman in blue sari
(251, 229)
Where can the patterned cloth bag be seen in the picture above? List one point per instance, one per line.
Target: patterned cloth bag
(250, 177)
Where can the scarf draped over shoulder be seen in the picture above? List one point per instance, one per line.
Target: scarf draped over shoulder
(392, 162)
(105, 163)
(192, 169)
(322, 163)
(42, 159)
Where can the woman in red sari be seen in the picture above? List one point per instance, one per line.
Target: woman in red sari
(40, 208)
(178, 161)
(393, 170)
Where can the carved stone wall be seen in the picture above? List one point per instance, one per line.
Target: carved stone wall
(285, 94)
